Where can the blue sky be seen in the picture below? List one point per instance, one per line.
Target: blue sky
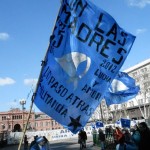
(25, 28)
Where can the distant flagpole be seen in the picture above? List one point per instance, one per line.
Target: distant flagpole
(33, 96)
(140, 108)
(125, 110)
(102, 119)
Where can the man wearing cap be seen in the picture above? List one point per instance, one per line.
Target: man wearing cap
(39, 145)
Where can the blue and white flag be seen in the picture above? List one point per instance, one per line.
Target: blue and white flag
(125, 123)
(122, 89)
(133, 122)
(86, 51)
(93, 126)
(99, 124)
(118, 122)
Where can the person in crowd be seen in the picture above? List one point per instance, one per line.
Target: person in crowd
(94, 133)
(135, 135)
(127, 135)
(101, 138)
(128, 141)
(117, 135)
(39, 145)
(121, 143)
(144, 143)
(82, 137)
(47, 145)
(25, 142)
(106, 131)
(34, 141)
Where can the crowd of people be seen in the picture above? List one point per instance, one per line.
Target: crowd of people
(135, 138)
(41, 142)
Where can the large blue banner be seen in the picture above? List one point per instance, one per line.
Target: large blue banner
(86, 50)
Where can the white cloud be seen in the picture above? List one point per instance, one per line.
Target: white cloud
(139, 3)
(6, 81)
(30, 82)
(140, 31)
(4, 36)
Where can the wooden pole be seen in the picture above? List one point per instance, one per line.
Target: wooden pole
(33, 96)
(25, 128)
(140, 108)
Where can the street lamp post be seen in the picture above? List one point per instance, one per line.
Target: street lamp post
(22, 103)
(8, 118)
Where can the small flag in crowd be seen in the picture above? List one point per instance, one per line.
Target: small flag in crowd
(122, 89)
(133, 122)
(93, 126)
(99, 124)
(118, 122)
(125, 122)
(86, 51)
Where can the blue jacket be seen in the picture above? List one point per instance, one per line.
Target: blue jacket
(35, 147)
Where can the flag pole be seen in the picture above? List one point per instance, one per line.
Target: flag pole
(33, 96)
(140, 108)
(125, 111)
(25, 128)
(102, 119)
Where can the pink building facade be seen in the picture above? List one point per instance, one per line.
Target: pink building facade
(15, 120)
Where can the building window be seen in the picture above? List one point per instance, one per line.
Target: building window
(9, 126)
(134, 74)
(3, 117)
(46, 123)
(140, 101)
(36, 124)
(3, 126)
(41, 124)
(131, 103)
(115, 107)
(124, 105)
(143, 70)
(56, 123)
(145, 76)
